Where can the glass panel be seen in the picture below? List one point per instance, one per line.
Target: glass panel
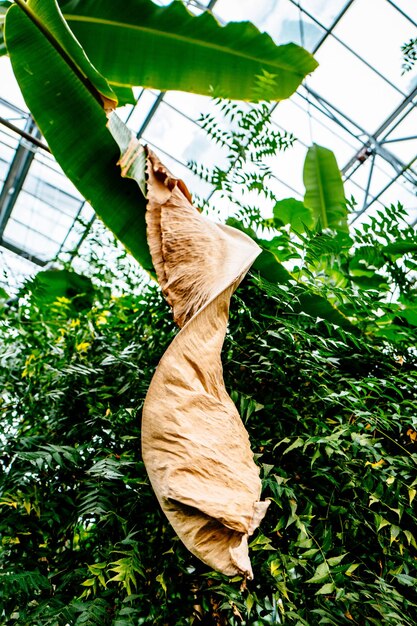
(349, 85)
(192, 105)
(141, 110)
(14, 269)
(10, 89)
(379, 179)
(409, 7)
(323, 10)
(38, 186)
(398, 193)
(54, 174)
(281, 19)
(355, 191)
(180, 136)
(321, 129)
(31, 241)
(288, 167)
(404, 150)
(34, 213)
(8, 142)
(292, 116)
(381, 45)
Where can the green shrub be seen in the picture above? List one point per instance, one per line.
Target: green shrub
(331, 416)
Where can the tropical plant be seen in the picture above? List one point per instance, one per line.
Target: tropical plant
(65, 92)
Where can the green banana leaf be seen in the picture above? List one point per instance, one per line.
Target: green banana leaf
(46, 12)
(324, 194)
(74, 125)
(64, 91)
(136, 42)
(47, 16)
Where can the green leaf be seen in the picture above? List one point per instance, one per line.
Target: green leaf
(160, 579)
(324, 194)
(351, 569)
(317, 306)
(136, 42)
(398, 248)
(298, 443)
(376, 281)
(335, 560)
(410, 538)
(293, 212)
(409, 314)
(46, 287)
(74, 125)
(326, 589)
(321, 574)
(125, 138)
(46, 14)
(395, 531)
(46, 11)
(124, 95)
(3, 295)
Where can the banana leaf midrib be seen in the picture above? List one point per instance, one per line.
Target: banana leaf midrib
(325, 222)
(94, 20)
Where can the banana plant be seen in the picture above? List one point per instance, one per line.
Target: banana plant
(69, 95)
(158, 47)
(324, 203)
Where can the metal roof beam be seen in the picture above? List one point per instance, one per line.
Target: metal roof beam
(16, 175)
(24, 253)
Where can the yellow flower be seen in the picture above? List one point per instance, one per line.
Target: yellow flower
(376, 464)
(102, 318)
(62, 300)
(83, 346)
(26, 371)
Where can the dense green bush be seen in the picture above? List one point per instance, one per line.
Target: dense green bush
(331, 414)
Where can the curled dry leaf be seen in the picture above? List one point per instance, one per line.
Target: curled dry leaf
(194, 445)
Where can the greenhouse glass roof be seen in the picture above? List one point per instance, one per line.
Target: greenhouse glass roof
(357, 103)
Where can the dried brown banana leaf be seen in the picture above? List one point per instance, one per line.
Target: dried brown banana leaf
(194, 445)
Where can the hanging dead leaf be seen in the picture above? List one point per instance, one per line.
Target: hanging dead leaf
(195, 447)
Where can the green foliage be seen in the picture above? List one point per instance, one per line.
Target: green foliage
(331, 417)
(365, 279)
(68, 96)
(51, 285)
(220, 60)
(409, 50)
(293, 212)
